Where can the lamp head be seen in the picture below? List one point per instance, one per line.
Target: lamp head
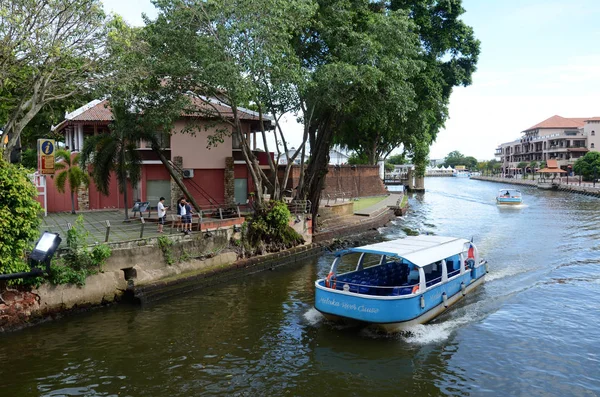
(45, 247)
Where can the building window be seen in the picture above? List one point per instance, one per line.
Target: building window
(163, 140)
(592, 146)
(593, 133)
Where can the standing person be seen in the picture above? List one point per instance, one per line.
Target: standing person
(179, 223)
(162, 214)
(188, 216)
(183, 213)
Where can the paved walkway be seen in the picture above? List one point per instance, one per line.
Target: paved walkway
(95, 223)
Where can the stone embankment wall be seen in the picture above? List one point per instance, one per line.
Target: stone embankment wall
(139, 269)
(586, 190)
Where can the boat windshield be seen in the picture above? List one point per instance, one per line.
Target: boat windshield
(509, 193)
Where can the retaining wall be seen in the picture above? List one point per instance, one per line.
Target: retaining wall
(585, 190)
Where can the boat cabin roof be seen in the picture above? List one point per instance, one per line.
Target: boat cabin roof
(509, 190)
(419, 250)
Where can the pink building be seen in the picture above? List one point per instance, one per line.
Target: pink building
(216, 175)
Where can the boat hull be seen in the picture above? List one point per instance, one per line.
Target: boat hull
(509, 201)
(393, 314)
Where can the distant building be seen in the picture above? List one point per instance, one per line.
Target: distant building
(283, 160)
(557, 138)
(338, 157)
(436, 162)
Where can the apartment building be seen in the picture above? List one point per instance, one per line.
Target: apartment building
(557, 138)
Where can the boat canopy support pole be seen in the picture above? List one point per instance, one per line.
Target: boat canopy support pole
(334, 264)
(444, 271)
(359, 266)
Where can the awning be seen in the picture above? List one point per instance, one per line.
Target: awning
(420, 250)
(552, 171)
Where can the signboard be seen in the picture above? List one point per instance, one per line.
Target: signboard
(46, 150)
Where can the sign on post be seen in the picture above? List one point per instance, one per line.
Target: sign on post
(46, 150)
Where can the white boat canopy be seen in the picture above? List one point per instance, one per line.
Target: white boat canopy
(420, 250)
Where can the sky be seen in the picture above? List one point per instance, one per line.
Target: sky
(539, 58)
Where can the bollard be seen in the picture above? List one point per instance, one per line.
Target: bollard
(142, 228)
(107, 231)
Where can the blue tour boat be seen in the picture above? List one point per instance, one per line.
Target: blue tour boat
(509, 196)
(410, 281)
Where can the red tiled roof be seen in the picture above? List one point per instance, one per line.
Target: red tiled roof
(216, 109)
(551, 167)
(99, 112)
(593, 119)
(560, 122)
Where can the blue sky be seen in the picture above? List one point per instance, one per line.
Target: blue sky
(538, 58)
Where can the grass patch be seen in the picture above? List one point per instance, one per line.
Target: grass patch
(363, 203)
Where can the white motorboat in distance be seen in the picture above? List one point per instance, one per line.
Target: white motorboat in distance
(411, 281)
(509, 196)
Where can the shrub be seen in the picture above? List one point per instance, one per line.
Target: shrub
(79, 261)
(268, 230)
(19, 218)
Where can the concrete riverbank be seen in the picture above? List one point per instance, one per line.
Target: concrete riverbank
(586, 189)
(139, 270)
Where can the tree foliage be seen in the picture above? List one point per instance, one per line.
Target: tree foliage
(268, 230)
(19, 217)
(449, 53)
(50, 51)
(233, 53)
(588, 166)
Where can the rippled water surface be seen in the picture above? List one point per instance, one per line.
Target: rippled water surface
(533, 329)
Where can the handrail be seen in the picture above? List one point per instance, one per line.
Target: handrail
(198, 188)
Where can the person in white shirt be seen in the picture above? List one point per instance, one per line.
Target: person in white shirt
(162, 214)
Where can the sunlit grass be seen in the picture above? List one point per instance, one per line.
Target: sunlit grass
(363, 203)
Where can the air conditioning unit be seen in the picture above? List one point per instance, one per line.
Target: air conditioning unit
(188, 173)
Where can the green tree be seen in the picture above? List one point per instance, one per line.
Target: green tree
(115, 152)
(588, 166)
(234, 53)
(50, 50)
(397, 159)
(358, 159)
(448, 57)
(19, 217)
(471, 162)
(454, 158)
(357, 56)
(140, 100)
(71, 173)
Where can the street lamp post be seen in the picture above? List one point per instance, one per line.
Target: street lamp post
(594, 183)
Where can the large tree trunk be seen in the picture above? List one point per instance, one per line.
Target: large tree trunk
(321, 138)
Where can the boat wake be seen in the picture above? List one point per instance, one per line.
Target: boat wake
(313, 317)
(512, 206)
(503, 273)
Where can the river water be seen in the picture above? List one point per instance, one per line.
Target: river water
(533, 329)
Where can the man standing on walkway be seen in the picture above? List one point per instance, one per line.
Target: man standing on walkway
(162, 214)
(186, 216)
